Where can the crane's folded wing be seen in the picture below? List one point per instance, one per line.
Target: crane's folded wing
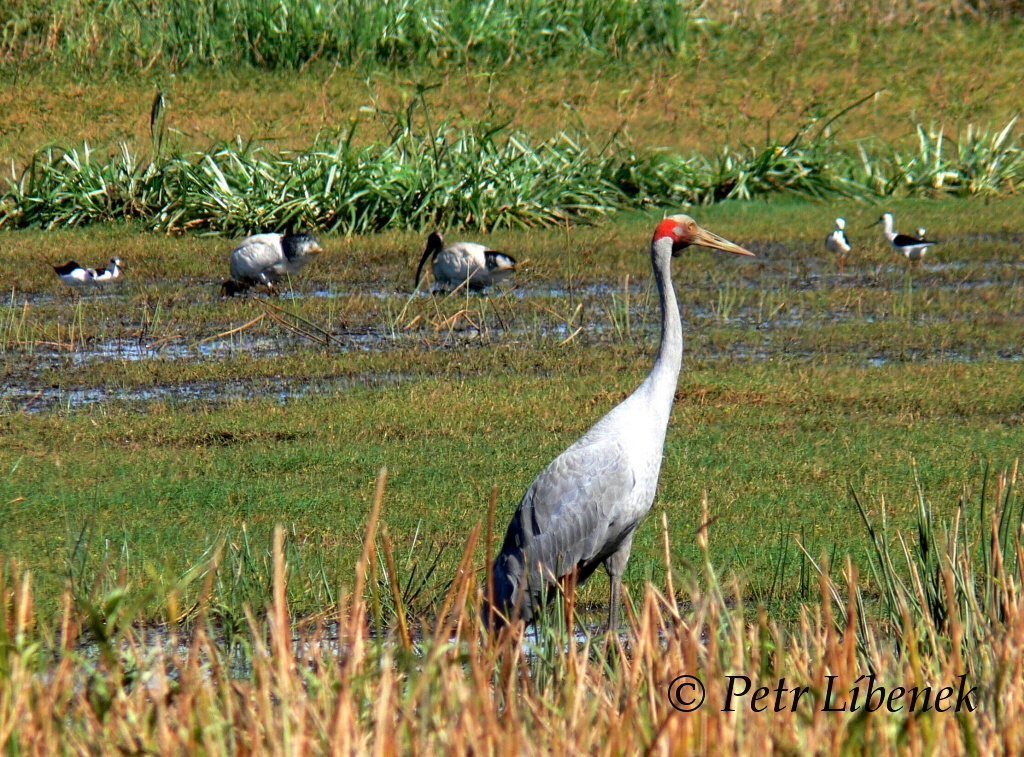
(575, 506)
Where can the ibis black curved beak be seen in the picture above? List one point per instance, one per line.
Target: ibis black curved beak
(434, 245)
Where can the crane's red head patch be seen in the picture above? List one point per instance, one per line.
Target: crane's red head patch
(680, 229)
(669, 227)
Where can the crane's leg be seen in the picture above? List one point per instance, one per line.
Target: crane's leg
(616, 600)
(615, 564)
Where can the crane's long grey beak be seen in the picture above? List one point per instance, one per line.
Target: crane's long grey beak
(705, 238)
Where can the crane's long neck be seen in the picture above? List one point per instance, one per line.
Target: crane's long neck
(660, 385)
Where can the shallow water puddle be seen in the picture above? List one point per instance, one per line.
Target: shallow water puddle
(24, 399)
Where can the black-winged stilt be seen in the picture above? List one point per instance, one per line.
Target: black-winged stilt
(838, 243)
(74, 275)
(108, 275)
(913, 248)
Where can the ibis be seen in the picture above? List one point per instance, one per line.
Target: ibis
(475, 265)
(265, 259)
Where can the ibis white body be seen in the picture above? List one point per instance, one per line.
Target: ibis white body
(268, 258)
(475, 265)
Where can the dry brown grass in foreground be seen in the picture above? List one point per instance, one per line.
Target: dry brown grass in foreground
(331, 686)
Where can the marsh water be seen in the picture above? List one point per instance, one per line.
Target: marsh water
(778, 309)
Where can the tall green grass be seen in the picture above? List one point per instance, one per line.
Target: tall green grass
(479, 176)
(293, 33)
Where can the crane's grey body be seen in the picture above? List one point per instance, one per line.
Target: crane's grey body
(582, 510)
(475, 265)
(268, 258)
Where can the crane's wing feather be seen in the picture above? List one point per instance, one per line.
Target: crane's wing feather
(571, 508)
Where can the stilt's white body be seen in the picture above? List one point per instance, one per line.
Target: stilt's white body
(838, 244)
(912, 248)
(584, 507)
(108, 275)
(74, 275)
(474, 265)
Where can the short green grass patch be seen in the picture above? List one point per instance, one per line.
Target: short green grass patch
(776, 448)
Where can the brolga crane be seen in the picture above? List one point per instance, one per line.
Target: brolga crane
(838, 244)
(583, 509)
(468, 263)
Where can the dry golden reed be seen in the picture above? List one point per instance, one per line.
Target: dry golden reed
(330, 685)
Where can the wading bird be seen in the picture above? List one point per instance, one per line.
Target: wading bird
(582, 510)
(108, 275)
(267, 258)
(838, 244)
(913, 248)
(74, 275)
(464, 263)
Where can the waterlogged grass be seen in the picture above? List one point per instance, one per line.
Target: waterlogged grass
(143, 426)
(153, 486)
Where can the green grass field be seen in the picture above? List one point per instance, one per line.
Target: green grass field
(143, 426)
(190, 560)
(130, 440)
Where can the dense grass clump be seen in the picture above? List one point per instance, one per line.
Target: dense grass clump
(479, 177)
